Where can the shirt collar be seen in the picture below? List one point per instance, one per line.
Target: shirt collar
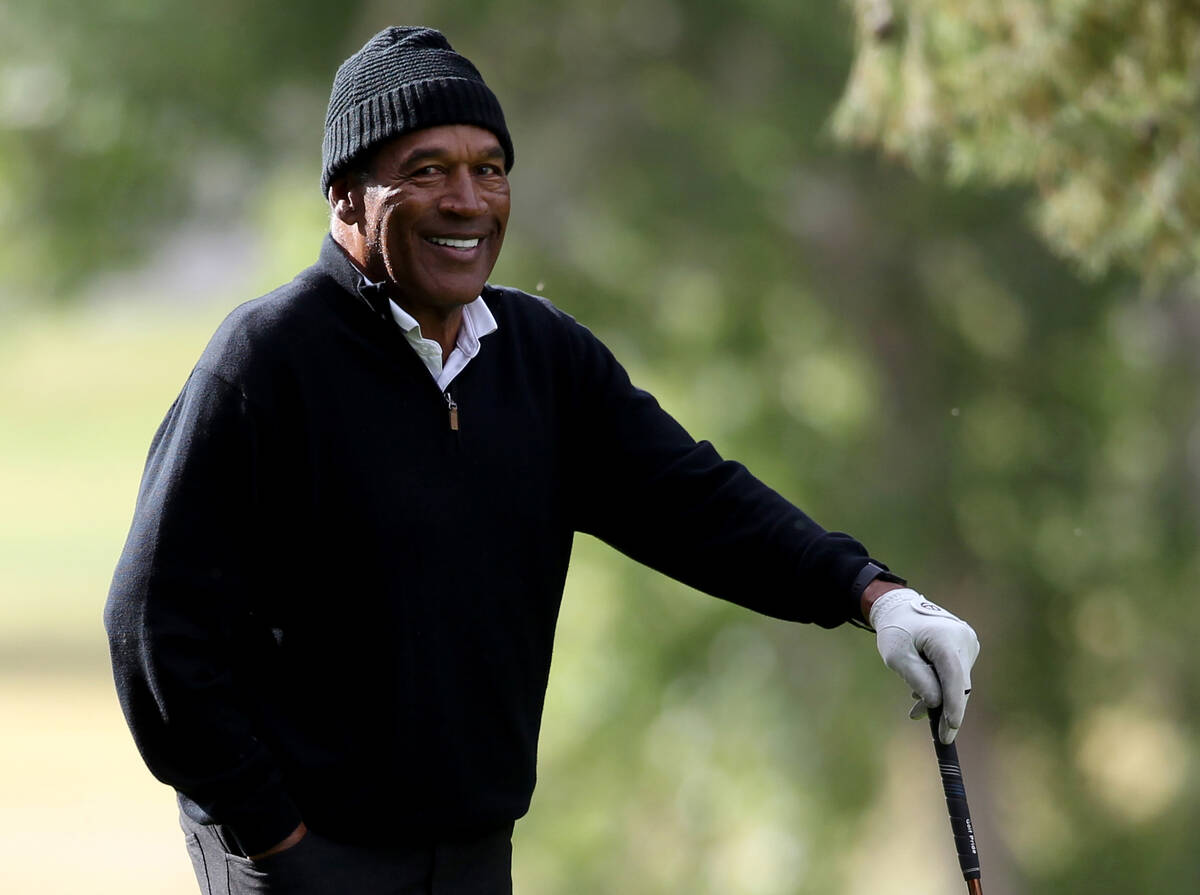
(477, 322)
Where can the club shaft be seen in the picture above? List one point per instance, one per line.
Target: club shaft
(955, 791)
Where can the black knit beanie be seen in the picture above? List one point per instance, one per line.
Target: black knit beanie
(404, 79)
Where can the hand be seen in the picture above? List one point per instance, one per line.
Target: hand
(293, 838)
(931, 649)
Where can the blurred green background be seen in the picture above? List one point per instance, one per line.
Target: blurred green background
(929, 269)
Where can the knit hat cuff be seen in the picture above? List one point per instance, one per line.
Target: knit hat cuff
(411, 106)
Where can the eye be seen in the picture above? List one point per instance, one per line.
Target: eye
(489, 170)
(425, 173)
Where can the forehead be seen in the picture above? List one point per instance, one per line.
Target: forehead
(447, 141)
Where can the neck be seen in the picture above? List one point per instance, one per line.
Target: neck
(350, 241)
(441, 327)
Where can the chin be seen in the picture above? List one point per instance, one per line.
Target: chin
(456, 293)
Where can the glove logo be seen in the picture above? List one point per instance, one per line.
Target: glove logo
(931, 607)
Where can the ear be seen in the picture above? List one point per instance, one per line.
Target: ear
(346, 201)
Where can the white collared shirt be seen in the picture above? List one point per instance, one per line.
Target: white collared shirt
(477, 322)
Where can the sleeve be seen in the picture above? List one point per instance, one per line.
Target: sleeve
(646, 487)
(178, 605)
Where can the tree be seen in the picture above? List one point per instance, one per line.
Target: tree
(1094, 104)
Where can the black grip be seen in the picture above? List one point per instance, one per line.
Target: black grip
(956, 801)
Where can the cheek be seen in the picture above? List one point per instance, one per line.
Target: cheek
(393, 235)
(501, 206)
(394, 228)
(387, 205)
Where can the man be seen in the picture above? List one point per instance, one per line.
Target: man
(332, 622)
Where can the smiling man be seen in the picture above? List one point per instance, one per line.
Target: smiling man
(332, 622)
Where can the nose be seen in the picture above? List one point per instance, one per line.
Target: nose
(463, 196)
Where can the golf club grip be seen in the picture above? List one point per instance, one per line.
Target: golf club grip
(956, 801)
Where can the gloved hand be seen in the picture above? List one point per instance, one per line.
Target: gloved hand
(931, 649)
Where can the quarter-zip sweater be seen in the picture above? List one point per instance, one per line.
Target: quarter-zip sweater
(333, 606)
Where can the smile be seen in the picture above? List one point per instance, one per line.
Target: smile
(454, 243)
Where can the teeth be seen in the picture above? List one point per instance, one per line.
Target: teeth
(455, 243)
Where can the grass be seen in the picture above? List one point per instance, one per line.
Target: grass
(78, 812)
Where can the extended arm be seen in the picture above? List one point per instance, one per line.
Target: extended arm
(676, 505)
(646, 487)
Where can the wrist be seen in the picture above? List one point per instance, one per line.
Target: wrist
(872, 582)
(873, 592)
(292, 839)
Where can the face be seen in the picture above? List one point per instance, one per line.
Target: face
(434, 212)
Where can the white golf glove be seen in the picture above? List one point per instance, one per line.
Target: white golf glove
(931, 649)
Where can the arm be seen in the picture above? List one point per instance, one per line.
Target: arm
(651, 491)
(646, 487)
(178, 613)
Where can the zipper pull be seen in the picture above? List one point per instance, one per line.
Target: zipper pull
(453, 408)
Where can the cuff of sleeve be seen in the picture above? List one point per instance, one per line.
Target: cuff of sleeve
(872, 571)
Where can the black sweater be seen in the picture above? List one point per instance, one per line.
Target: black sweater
(334, 607)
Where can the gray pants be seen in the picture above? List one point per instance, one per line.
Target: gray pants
(318, 866)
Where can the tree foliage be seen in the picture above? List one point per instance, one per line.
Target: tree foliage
(1095, 103)
(117, 119)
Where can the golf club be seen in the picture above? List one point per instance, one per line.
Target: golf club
(955, 789)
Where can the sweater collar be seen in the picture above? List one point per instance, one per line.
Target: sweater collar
(334, 262)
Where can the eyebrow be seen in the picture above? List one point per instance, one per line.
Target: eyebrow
(421, 153)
